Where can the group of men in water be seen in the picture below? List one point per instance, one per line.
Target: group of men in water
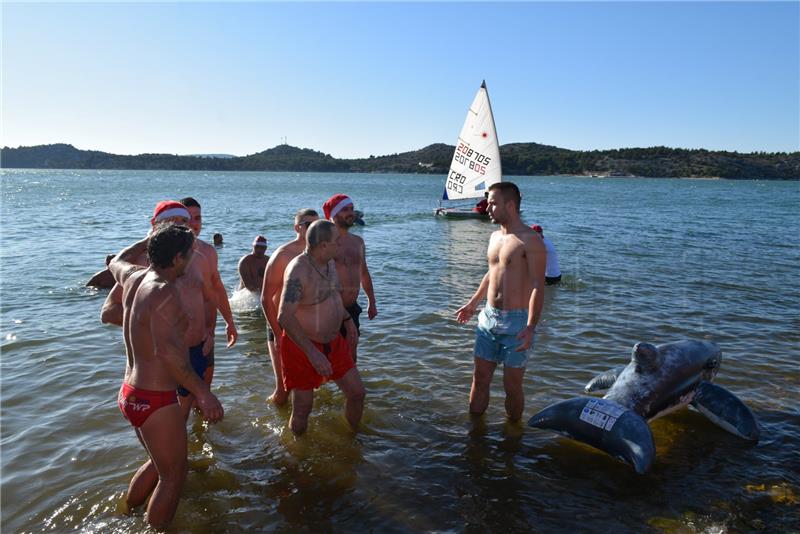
(168, 292)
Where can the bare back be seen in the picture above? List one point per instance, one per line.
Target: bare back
(511, 279)
(349, 263)
(151, 304)
(316, 291)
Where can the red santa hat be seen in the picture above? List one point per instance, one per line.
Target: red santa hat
(536, 228)
(169, 208)
(335, 204)
(260, 241)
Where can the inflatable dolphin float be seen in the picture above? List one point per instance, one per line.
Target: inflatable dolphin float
(657, 381)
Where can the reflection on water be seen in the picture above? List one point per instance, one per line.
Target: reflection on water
(672, 267)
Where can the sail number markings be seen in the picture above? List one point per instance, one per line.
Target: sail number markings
(471, 158)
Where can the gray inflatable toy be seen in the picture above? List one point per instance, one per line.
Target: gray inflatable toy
(657, 381)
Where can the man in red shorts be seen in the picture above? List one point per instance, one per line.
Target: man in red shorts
(154, 322)
(311, 314)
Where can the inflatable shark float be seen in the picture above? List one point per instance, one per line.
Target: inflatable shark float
(657, 381)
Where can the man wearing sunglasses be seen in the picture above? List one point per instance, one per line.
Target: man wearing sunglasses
(271, 290)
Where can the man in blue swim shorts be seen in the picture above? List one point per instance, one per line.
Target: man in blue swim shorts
(514, 291)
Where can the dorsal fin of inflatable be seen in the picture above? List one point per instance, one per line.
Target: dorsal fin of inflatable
(646, 357)
(603, 424)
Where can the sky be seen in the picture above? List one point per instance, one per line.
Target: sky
(360, 79)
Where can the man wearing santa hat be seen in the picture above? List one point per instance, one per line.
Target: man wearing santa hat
(351, 260)
(253, 265)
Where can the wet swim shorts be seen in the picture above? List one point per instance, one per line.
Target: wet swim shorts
(199, 363)
(297, 371)
(496, 336)
(138, 404)
(354, 311)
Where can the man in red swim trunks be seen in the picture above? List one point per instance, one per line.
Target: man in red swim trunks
(154, 325)
(311, 314)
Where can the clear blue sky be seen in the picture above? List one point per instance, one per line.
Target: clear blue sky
(354, 79)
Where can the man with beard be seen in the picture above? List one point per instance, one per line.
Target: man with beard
(514, 292)
(351, 261)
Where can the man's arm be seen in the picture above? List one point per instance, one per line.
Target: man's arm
(290, 301)
(111, 312)
(101, 279)
(121, 267)
(221, 299)
(168, 324)
(465, 312)
(273, 283)
(536, 262)
(366, 283)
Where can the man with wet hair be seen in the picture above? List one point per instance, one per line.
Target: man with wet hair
(311, 314)
(351, 261)
(271, 291)
(154, 327)
(514, 292)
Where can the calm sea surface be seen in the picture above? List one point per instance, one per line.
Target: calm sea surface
(643, 260)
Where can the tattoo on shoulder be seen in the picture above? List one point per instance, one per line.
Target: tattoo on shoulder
(131, 270)
(293, 291)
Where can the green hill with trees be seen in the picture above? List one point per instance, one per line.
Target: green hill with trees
(518, 159)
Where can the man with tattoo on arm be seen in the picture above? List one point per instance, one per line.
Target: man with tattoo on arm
(271, 291)
(514, 292)
(311, 314)
(351, 261)
(154, 326)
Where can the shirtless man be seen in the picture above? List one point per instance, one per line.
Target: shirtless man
(514, 292)
(208, 263)
(154, 325)
(165, 211)
(253, 265)
(351, 261)
(271, 291)
(311, 314)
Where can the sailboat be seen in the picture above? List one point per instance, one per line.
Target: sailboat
(476, 160)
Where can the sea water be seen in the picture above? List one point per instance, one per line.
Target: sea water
(643, 260)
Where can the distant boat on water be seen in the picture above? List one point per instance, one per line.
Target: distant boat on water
(476, 160)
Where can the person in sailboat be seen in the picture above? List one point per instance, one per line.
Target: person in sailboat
(351, 261)
(514, 291)
(482, 207)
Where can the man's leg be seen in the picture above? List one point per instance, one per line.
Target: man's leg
(481, 382)
(515, 398)
(164, 434)
(302, 401)
(280, 395)
(354, 394)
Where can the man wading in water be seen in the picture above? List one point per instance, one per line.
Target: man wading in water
(514, 292)
(311, 314)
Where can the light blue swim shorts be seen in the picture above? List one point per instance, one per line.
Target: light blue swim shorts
(496, 336)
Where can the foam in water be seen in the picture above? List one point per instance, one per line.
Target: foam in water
(244, 300)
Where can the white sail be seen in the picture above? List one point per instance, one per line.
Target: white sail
(476, 161)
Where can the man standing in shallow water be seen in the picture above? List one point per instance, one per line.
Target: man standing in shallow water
(351, 262)
(272, 289)
(311, 313)
(154, 326)
(514, 292)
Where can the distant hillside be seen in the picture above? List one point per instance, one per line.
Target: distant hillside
(518, 159)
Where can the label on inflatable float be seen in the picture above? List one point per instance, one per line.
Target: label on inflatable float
(601, 413)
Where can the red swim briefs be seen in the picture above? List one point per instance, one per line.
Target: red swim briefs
(298, 373)
(138, 404)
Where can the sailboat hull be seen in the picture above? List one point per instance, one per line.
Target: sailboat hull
(455, 213)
